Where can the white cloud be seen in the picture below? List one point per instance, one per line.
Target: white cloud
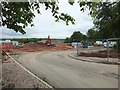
(45, 24)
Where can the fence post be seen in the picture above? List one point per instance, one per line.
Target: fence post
(77, 49)
(107, 50)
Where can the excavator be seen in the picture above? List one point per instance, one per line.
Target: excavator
(49, 42)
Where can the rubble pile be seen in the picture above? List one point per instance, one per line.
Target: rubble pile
(64, 46)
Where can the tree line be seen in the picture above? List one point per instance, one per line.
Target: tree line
(26, 40)
(90, 35)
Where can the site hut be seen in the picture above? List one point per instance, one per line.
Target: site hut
(5, 44)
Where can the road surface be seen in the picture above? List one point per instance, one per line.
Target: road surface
(61, 71)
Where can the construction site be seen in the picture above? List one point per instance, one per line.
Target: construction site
(56, 44)
(44, 45)
(52, 60)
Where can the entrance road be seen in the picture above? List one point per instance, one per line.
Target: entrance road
(61, 71)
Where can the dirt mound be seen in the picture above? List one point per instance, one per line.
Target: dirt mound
(64, 46)
(36, 48)
(31, 43)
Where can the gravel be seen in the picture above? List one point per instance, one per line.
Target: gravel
(14, 76)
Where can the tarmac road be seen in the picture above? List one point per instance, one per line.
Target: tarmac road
(61, 71)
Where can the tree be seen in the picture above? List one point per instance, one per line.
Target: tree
(93, 34)
(78, 35)
(85, 37)
(107, 19)
(67, 40)
(17, 15)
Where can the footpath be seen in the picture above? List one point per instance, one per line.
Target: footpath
(95, 59)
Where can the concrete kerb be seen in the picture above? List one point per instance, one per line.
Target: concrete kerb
(80, 59)
(89, 60)
(49, 86)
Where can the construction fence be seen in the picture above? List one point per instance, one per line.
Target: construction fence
(102, 50)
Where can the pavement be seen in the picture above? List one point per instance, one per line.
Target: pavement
(95, 59)
(62, 71)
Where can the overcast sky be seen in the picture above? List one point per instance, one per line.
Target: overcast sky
(45, 24)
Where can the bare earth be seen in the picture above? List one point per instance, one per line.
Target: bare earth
(61, 71)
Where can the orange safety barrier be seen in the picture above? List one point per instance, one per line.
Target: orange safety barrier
(5, 46)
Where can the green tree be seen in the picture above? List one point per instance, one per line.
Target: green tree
(107, 19)
(18, 15)
(93, 34)
(67, 40)
(84, 37)
(78, 35)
